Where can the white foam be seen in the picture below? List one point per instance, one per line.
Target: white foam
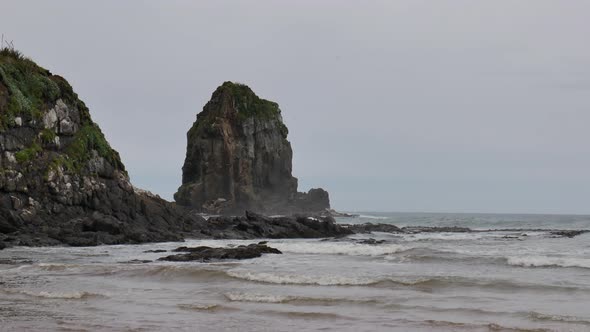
(58, 295)
(372, 217)
(279, 278)
(253, 297)
(338, 248)
(540, 261)
(448, 236)
(204, 307)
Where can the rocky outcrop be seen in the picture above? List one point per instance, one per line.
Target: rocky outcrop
(256, 226)
(569, 233)
(62, 183)
(369, 228)
(205, 254)
(60, 180)
(238, 158)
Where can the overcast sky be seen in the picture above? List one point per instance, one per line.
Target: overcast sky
(448, 106)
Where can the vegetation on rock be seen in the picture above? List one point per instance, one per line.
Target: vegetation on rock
(238, 157)
(32, 91)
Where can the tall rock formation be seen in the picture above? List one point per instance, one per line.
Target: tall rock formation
(60, 180)
(238, 157)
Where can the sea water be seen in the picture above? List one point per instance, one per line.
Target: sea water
(517, 279)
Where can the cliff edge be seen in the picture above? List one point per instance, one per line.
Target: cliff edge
(60, 180)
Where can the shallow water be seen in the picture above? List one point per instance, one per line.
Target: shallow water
(488, 281)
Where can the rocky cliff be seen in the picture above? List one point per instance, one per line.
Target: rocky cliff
(60, 180)
(238, 157)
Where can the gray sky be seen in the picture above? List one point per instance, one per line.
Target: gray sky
(463, 106)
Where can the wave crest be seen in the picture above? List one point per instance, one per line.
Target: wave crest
(80, 295)
(547, 261)
(339, 248)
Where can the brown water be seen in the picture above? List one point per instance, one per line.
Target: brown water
(422, 282)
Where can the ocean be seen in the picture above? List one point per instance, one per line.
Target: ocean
(521, 278)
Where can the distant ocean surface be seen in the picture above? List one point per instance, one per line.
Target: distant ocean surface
(508, 280)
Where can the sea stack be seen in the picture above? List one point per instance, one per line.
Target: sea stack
(60, 180)
(238, 158)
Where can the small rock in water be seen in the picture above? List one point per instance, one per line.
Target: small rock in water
(369, 228)
(155, 251)
(137, 261)
(569, 234)
(371, 241)
(204, 253)
(427, 229)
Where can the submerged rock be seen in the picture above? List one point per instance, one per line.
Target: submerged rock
(204, 254)
(238, 158)
(137, 261)
(369, 228)
(429, 229)
(371, 241)
(60, 180)
(568, 233)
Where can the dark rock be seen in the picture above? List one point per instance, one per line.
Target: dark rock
(60, 180)
(155, 251)
(238, 158)
(371, 241)
(568, 233)
(258, 226)
(137, 261)
(369, 227)
(425, 229)
(204, 254)
(334, 213)
(2, 245)
(6, 227)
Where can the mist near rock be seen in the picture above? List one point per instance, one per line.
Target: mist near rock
(405, 105)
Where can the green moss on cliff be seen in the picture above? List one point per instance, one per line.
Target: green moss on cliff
(249, 104)
(28, 154)
(47, 136)
(32, 91)
(88, 138)
(29, 85)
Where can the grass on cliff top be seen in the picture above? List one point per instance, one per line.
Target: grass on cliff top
(33, 90)
(29, 87)
(248, 105)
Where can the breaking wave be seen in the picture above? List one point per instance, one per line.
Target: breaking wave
(324, 280)
(393, 282)
(57, 295)
(270, 298)
(547, 261)
(339, 248)
(557, 318)
(262, 298)
(365, 216)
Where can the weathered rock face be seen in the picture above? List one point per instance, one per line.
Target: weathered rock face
(238, 157)
(60, 181)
